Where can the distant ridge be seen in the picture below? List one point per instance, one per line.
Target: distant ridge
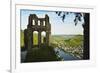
(68, 35)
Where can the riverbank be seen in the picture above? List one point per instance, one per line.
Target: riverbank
(70, 44)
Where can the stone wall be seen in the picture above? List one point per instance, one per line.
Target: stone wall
(39, 25)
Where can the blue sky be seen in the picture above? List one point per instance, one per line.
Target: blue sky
(58, 27)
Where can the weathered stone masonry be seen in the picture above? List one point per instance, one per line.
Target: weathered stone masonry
(39, 25)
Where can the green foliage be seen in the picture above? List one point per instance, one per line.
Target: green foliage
(42, 54)
(67, 41)
(35, 40)
(74, 42)
(78, 16)
(47, 53)
(22, 38)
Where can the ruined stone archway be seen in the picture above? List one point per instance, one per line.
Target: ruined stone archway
(35, 37)
(43, 34)
(39, 25)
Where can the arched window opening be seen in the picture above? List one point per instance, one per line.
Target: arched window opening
(43, 23)
(33, 22)
(35, 38)
(43, 37)
(39, 22)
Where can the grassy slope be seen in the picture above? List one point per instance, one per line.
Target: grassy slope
(74, 41)
(73, 45)
(77, 40)
(44, 53)
(47, 53)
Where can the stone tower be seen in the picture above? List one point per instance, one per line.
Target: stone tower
(39, 25)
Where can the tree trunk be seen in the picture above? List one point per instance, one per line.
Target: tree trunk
(86, 50)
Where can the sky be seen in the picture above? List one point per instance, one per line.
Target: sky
(58, 27)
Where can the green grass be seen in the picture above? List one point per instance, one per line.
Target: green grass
(74, 41)
(46, 53)
(22, 38)
(35, 40)
(55, 40)
(42, 54)
(72, 45)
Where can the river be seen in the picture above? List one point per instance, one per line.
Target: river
(62, 54)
